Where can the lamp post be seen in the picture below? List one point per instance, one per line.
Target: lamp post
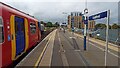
(65, 18)
(72, 23)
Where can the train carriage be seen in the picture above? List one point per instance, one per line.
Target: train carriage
(18, 32)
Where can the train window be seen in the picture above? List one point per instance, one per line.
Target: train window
(1, 31)
(23, 28)
(32, 28)
(16, 28)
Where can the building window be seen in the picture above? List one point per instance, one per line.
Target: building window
(1, 31)
(32, 28)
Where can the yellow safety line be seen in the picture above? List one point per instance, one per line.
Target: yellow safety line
(40, 57)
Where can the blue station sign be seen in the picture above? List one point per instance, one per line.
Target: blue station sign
(98, 16)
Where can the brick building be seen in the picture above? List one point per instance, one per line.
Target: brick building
(76, 18)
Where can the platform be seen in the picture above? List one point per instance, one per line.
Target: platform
(66, 49)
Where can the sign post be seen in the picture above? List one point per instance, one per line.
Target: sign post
(85, 31)
(85, 27)
(99, 16)
(107, 31)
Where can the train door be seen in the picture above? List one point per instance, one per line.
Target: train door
(19, 35)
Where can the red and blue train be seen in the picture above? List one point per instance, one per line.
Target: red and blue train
(18, 33)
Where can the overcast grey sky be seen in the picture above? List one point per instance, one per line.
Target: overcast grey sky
(51, 10)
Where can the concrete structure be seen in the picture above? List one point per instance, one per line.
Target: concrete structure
(91, 24)
(78, 23)
(77, 19)
(58, 49)
(69, 21)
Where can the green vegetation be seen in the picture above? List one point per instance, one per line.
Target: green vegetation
(100, 26)
(42, 22)
(103, 26)
(56, 24)
(50, 24)
(114, 26)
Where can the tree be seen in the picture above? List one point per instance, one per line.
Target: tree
(119, 26)
(114, 26)
(110, 27)
(49, 24)
(56, 24)
(100, 26)
(42, 22)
